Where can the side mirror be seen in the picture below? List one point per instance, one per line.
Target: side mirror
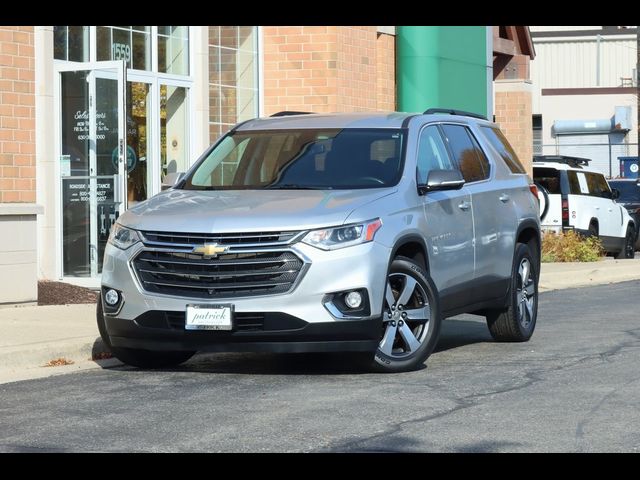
(615, 193)
(442, 180)
(170, 180)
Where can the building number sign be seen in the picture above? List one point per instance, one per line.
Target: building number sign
(121, 51)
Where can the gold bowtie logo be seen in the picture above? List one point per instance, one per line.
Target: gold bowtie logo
(210, 249)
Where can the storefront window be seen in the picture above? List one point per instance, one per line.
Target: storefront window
(71, 43)
(233, 77)
(173, 129)
(173, 50)
(129, 43)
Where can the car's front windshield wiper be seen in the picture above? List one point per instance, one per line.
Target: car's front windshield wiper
(295, 186)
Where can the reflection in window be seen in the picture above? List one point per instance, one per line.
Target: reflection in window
(233, 73)
(173, 50)
(71, 43)
(173, 129)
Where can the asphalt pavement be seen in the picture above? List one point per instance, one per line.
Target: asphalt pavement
(572, 388)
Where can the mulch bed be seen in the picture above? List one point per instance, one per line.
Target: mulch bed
(59, 293)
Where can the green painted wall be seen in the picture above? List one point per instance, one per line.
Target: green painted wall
(442, 67)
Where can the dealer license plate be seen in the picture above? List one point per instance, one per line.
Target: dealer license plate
(209, 317)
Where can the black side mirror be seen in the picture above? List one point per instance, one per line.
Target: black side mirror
(442, 180)
(615, 193)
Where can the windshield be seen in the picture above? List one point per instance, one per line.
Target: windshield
(629, 191)
(301, 159)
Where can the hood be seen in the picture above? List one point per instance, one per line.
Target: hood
(247, 210)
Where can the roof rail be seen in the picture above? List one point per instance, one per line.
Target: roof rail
(451, 111)
(286, 113)
(576, 162)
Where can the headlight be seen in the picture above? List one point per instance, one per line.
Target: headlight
(123, 237)
(344, 236)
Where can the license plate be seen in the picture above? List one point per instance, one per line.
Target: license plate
(209, 317)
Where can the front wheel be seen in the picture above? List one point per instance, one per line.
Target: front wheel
(628, 251)
(411, 318)
(517, 321)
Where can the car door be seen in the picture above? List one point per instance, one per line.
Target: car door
(449, 224)
(600, 198)
(491, 214)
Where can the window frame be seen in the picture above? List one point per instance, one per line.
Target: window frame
(472, 137)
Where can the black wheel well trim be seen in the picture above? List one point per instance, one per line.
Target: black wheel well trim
(400, 242)
(595, 221)
(530, 224)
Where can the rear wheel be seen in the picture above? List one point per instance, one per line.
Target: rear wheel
(137, 357)
(517, 321)
(411, 318)
(628, 251)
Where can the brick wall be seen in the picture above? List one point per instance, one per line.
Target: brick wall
(328, 69)
(17, 115)
(513, 114)
(386, 66)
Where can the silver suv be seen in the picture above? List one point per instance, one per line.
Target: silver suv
(319, 233)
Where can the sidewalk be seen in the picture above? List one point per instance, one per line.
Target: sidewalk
(32, 336)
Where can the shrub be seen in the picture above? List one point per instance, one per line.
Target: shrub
(570, 247)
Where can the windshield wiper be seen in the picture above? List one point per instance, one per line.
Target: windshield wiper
(295, 186)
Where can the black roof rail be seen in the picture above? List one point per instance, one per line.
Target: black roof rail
(286, 113)
(576, 162)
(451, 111)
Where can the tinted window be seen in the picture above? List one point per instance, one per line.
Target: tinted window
(304, 158)
(471, 160)
(432, 153)
(500, 143)
(574, 184)
(598, 186)
(629, 191)
(548, 178)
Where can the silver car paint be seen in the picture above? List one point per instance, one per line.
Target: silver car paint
(462, 245)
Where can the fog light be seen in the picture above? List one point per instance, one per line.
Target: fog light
(111, 297)
(353, 299)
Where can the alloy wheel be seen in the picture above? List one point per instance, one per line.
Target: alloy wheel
(525, 293)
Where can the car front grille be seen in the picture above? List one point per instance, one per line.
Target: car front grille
(244, 239)
(228, 275)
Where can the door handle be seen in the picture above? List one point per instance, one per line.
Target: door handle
(464, 206)
(597, 208)
(504, 198)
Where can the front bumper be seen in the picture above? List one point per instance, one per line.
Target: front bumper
(293, 321)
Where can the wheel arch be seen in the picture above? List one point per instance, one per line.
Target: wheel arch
(411, 246)
(528, 232)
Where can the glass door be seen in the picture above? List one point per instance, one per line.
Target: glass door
(92, 161)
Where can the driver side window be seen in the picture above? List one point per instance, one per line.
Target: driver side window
(432, 153)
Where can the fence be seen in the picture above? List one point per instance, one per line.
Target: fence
(604, 155)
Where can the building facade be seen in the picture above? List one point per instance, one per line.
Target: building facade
(585, 96)
(92, 118)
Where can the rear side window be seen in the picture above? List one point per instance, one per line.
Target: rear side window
(471, 160)
(574, 183)
(548, 178)
(500, 143)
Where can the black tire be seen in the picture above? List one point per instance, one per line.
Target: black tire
(102, 328)
(407, 344)
(517, 321)
(136, 357)
(628, 251)
(545, 197)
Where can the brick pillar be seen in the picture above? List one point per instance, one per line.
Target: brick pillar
(17, 115)
(18, 213)
(328, 69)
(513, 114)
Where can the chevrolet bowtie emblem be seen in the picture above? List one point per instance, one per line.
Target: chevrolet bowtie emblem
(210, 249)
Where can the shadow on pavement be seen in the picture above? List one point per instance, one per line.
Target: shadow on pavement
(454, 333)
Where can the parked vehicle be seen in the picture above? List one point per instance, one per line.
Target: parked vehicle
(575, 197)
(629, 198)
(341, 232)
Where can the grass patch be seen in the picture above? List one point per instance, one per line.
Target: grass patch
(571, 247)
